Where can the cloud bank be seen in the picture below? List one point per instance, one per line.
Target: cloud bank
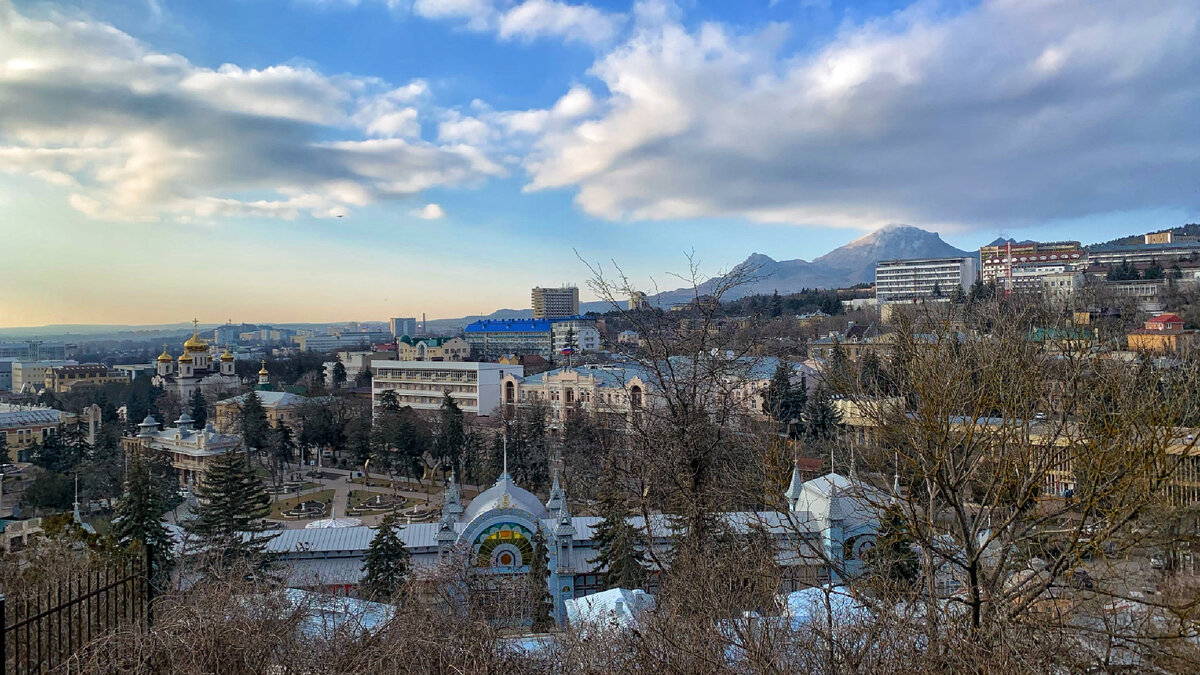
(134, 133)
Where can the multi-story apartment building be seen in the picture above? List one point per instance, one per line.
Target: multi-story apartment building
(923, 278)
(1143, 254)
(31, 375)
(403, 326)
(553, 303)
(491, 339)
(328, 343)
(355, 363)
(63, 379)
(578, 332)
(36, 350)
(1020, 265)
(422, 384)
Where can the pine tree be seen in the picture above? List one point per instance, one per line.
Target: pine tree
(776, 305)
(451, 435)
(198, 409)
(821, 418)
(339, 375)
(232, 503)
(617, 545)
(253, 422)
(782, 401)
(937, 290)
(539, 572)
(139, 512)
(893, 557)
(386, 562)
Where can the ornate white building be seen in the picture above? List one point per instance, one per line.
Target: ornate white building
(823, 534)
(191, 451)
(197, 368)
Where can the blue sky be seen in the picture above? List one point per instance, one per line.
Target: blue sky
(290, 160)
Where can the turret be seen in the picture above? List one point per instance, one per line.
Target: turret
(555, 502)
(185, 422)
(227, 362)
(185, 365)
(164, 362)
(148, 427)
(264, 377)
(452, 503)
(562, 564)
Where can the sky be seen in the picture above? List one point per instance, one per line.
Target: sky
(327, 160)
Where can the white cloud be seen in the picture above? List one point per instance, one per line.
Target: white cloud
(136, 134)
(1009, 112)
(542, 18)
(429, 212)
(527, 20)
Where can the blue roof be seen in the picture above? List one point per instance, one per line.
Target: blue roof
(509, 326)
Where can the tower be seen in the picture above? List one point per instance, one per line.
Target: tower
(185, 365)
(264, 377)
(164, 362)
(562, 545)
(227, 362)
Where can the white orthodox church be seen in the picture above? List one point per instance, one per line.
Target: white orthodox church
(199, 367)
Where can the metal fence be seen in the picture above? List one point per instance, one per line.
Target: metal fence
(48, 624)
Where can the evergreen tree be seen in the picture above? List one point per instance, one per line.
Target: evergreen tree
(617, 545)
(388, 402)
(838, 364)
(253, 422)
(198, 409)
(957, 296)
(871, 375)
(539, 572)
(451, 434)
(937, 290)
(139, 512)
(228, 525)
(893, 557)
(339, 374)
(363, 378)
(386, 562)
(978, 292)
(782, 401)
(776, 305)
(821, 418)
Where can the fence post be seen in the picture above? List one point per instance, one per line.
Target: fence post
(149, 588)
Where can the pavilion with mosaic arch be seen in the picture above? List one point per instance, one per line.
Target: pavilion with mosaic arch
(833, 516)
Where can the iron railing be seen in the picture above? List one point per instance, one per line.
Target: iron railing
(49, 624)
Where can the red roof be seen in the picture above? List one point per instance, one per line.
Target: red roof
(1166, 318)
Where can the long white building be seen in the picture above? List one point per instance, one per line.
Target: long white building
(421, 384)
(923, 278)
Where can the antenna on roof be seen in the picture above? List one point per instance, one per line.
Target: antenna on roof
(505, 454)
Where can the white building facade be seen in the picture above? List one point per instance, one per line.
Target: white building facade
(476, 387)
(923, 278)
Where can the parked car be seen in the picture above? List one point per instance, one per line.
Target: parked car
(1158, 561)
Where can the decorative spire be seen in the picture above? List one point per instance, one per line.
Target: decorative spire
(896, 479)
(796, 486)
(557, 498)
(451, 502)
(505, 443)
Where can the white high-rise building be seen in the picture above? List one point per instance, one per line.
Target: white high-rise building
(923, 279)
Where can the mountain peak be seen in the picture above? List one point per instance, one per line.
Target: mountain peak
(758, 259)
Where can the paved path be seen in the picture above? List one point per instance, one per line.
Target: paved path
(417, 496)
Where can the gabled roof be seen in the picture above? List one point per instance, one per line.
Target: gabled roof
(1165, 318)
(270, 399)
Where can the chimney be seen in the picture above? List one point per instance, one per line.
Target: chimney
(619, 606)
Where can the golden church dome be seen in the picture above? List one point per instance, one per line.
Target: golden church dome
(185, 358)
(227, 356)
(264, 369)
(165, 357)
